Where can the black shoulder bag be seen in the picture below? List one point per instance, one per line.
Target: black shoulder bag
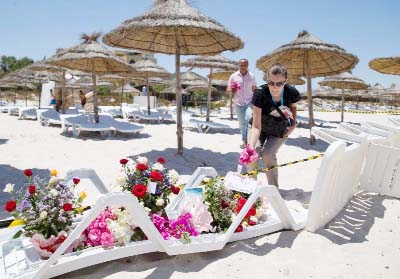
(274, 126)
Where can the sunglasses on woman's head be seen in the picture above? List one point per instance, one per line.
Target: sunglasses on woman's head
(278, 83)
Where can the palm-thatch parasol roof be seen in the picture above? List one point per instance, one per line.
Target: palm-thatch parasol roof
(172, 90)
(151, 81)
(310, 57)
(344, 81)
(174, 27)
(147, 68)
(199, 88)
(127, 89)
(221, 74)
(219, 82)
(90, 56)
(190, 78)
(211, 62)
(389, 65)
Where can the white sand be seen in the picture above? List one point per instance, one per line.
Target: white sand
(367, 249)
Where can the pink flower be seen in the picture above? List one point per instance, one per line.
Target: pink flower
(46, 247)
(248, 156)
(235, 85)
(106, 239)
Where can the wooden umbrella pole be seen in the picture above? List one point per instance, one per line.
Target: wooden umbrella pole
(231, 105)
(95, 107)
(309, 93)
(357, 100)
(26, 97)
(122, 93)
(148, 95)
(342, 113)
(209, 95)
(63, 92)
(179, 130)
(40, 94)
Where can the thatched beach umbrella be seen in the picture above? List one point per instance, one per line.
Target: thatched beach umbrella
(224, 75)
(127, 89)
(18, 81)
(118, 78)
(5, 85)
(147, 69)
(344, 81)
(389, 65)
(174, 27)
(211, 62)
(310, 57)
(90, 56)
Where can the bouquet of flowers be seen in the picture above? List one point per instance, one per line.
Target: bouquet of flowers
(224, 204)
(150, 183)
(45, 208)
(234, 86)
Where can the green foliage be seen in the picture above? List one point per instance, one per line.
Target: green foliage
(14, 63)
(103, 90)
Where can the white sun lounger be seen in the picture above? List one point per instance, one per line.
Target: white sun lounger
(50, 117)
(389, 128)
(82, 123)
(27, 113)
(119, 126)
(205, 126)
(359, 129)
(335, 185)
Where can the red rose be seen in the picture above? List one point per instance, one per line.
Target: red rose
(76, 180)
(161, 160)
(241, 203)
(28, 172)
(251, 212)
(141, 167)
(139, 190)
(252, 223)
(32, 189)
(123, 161)
(239, 228)
(10, 206)
(175, 190)
(156, 176)
(67, 207)
(224, 204)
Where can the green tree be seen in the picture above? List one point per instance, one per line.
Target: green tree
(13, 64)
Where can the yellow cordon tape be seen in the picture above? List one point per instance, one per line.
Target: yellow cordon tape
(357, 111)
(320, 155)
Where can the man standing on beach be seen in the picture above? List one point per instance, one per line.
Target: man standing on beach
(242, 84)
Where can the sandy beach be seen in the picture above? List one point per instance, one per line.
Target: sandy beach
(363, 248)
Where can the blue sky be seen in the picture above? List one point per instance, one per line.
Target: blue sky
(368, 29)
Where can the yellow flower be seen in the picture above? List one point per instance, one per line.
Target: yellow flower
(81, 209)
(82, 196)
(237, 196)
(53, 173)
(16, 223)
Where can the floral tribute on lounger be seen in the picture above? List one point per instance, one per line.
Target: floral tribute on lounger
(46, 208)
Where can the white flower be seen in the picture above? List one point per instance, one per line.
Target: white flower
(159, 202)
(43, 215)
(158, 166)
(260, 212)
(233, 216)
(53, 192)
(9, 188)
(254, 219)
(245, 224)
(121, 179)
(173, 176)
(142, 160)
(148, 210)
(54, 181)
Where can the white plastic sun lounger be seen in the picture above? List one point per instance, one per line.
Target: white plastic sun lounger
(395, 120)
(335, 185)
(120, 126)
(27, 113)
(50, 117)
(205, 126)
(82, 123)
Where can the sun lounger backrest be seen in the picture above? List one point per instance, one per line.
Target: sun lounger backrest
(382, 170)
(337, 181)
(51, 113)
